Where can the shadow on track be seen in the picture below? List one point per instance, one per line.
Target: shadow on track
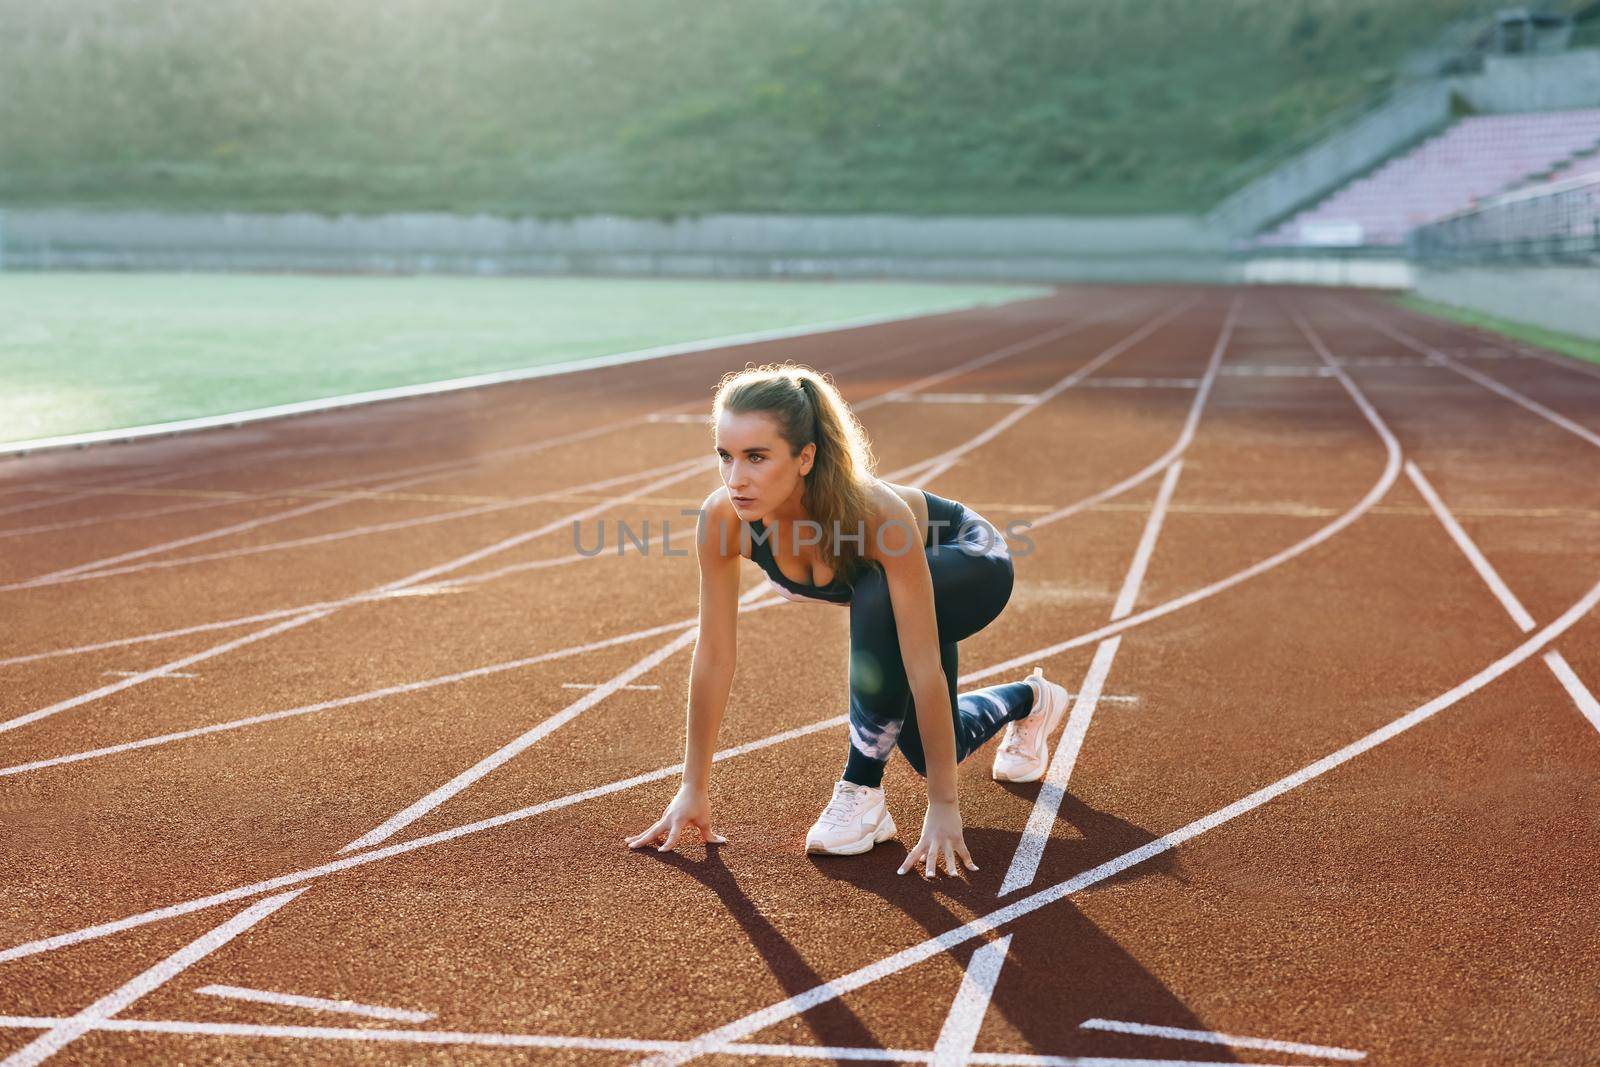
(832, 1023)
(1061, 968)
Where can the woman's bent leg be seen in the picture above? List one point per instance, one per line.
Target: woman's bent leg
(969, 592)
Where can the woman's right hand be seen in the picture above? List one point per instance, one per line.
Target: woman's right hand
(691, 807)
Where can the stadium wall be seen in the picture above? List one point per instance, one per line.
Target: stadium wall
(1556, 297)
(1025, 248)
(1535, 83)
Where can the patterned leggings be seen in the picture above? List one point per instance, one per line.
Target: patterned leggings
(972, 579)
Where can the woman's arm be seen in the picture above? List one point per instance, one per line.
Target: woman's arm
(715, 654)
(910, 583)
(710, 677)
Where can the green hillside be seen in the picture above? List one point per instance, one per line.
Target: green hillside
(661, 107)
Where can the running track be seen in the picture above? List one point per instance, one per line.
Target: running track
(319, 738)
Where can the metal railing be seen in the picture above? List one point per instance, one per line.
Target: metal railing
(1557, 222)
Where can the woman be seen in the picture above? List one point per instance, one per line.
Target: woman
(918, 572)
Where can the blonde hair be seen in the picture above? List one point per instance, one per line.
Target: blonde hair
(808, 409)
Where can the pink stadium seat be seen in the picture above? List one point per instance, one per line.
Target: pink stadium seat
(1473, 159)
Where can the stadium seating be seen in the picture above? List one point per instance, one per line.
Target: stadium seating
(1587, 165)
(1473, 159)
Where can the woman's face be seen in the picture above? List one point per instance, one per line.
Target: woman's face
(759, 473)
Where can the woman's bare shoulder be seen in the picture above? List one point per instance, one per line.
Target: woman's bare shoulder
(887, 496)
(892, 509)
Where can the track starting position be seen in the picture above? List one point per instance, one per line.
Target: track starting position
(918, 572)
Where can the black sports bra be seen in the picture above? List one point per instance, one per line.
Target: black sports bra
(838, 591)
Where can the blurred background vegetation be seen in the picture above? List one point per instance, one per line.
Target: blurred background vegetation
(667, 107)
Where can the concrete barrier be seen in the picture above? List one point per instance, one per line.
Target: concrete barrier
(1561, 298)
(1535, 83)
(1026, 248)
(1363, 272)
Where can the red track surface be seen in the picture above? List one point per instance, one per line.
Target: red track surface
(1427, 897)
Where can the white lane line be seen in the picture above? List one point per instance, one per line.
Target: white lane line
(1581, 696)
(403, 478)
(182, 1027)
(106, 566)
(422, 576)
(496, 759)
(518, 745)
(959, 1033)
(1471, 685)
(1515, 397)
(1128, 595)
(280, 613)
(269, 717)
(451, 585)
(1385, 480)
(982, 360)
(360, 698)
(1389, 361)
(492, 762)
(290, 624)
(336, 535)
(1245, 370)
(361, 859)
(123, 516)
(429, 472)
(103, 568)
(208, 499)
(130, 674)
(1490, 576)
(157, 672)
(1211, 1037)
(434, 470)
(1047, 805)
(295, 1000)
(413, 475)
(1491, 384)
(597, 685)
(1185, 435)
(714, 1040)
(1501, 347)
(1142, 383)
(68, 1030)
(962, 398)
(945, 459)
(109, 484)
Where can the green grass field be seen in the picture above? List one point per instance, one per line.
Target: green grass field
(1565, 343)
(665, 107)
(84, 352)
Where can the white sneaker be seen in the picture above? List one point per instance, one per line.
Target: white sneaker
(1025, 746)
(854, 820)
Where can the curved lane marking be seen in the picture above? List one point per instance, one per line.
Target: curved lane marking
(715, 1040)
(1386, 479)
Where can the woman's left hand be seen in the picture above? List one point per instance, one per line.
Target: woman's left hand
(941, 840)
